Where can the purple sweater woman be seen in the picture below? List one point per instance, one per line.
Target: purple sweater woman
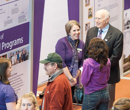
(71, 49)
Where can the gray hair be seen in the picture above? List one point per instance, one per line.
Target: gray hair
(59, 65)
(107, 15)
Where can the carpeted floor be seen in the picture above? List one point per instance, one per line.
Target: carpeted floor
(122, 90)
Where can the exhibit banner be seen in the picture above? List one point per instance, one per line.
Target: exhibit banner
(126, 48)
(14, 41)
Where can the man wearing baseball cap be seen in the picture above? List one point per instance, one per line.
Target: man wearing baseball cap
(57, 95)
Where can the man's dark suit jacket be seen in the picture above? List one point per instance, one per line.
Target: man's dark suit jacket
(114, 41)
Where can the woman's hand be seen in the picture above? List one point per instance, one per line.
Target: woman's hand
(74, 82)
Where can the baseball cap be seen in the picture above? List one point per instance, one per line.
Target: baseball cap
(52, 57)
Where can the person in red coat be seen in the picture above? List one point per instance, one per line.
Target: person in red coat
(57, 95)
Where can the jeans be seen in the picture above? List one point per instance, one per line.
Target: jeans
(96, 101)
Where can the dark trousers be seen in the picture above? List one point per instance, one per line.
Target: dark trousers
(72, 90)
(111, 90)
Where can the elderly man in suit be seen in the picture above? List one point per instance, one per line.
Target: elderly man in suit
(114, 40)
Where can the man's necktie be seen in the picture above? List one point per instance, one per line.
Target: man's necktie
(100, 33)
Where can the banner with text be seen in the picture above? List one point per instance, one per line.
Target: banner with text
(14, 41)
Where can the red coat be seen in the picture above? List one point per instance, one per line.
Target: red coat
(58, 94)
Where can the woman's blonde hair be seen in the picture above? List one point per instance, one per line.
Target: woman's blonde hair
(31, 95)
(122, 104)
(4, 64)
(69, 25)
